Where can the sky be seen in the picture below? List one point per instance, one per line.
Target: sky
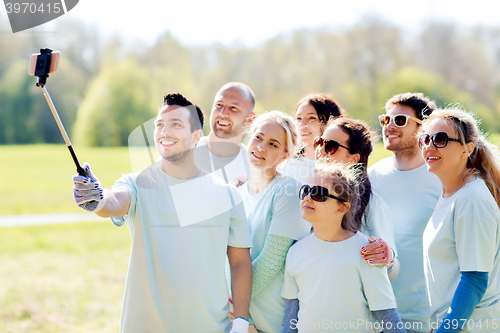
(250, 23)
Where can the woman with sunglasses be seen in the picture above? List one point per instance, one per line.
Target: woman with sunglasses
(273, 214)
(325, 278)
(311, 114)
(461, 240)
(349, 141)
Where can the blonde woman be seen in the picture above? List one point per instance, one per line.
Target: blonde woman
(461, 240)
(272, 209)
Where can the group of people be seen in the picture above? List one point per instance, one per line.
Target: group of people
(294, 232)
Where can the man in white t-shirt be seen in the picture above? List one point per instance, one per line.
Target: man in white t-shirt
(411, 193)
(182, 222)
(232, 113)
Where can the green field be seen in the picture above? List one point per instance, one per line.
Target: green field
(62, 278)
(36, 179)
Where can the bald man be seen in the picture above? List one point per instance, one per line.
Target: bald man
(221, 151)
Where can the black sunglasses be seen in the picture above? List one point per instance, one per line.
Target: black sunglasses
(331, 146)
(400, 120)
(439, 140)
(318, 193)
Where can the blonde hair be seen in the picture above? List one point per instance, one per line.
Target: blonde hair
(285, 121)
(484, 162)
(345, 182)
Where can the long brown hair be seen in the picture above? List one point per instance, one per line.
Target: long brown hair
(359, 142)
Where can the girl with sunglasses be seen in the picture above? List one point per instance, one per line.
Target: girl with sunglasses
(311, 114)
(461, 240)
(273, 214)
(327, 285)
(349, 141)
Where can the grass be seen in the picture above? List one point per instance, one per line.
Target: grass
(378, 153)
(36, 179)
(62, 278)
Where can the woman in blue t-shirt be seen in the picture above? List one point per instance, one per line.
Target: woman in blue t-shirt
(461, 240)
(272, 208)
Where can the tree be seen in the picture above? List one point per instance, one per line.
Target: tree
(443, 92)
(24, 112)
(117, 101)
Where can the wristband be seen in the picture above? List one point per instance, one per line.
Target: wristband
(240, 325)
(101, 204)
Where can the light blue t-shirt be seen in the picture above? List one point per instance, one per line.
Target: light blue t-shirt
(411, 196)
(299, 169)
(227, 168)
(276, 211)
(377, 220)
(335, 287)
(180, 230)
(463, 235)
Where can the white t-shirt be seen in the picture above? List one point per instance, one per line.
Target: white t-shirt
(335, 287)
(276, 211)
(378, 217)
(176, 280)
(299, 169)
(411, 196)
(378, 220)
(463, 235)
(232, 166)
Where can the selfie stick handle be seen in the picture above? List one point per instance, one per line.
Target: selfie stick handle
(79, 169)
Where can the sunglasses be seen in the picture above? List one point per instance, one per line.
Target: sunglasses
(439, 140)
(318, 193)
(331, 146)
(400, 120)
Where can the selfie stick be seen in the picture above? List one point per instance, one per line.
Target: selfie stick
(41, 83)
(79, 169)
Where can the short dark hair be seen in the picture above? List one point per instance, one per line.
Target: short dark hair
(422, 105)
(326, 107)
(197, 117)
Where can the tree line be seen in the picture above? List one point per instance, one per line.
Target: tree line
(106, 88)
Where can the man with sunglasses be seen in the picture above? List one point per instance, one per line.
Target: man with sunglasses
(183, 222)
(411, 192)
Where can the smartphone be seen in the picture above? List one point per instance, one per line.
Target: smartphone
(39, 63)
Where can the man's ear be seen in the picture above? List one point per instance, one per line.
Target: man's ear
(197, 136)
(250, 118)
(343, 208)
